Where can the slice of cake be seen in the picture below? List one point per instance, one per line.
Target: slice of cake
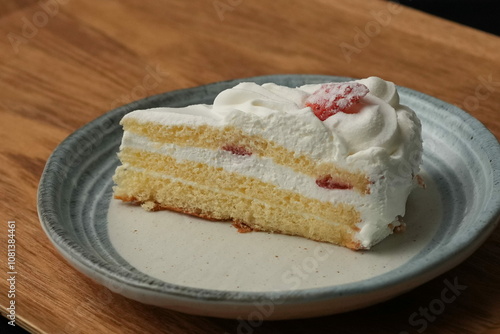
(330, 162)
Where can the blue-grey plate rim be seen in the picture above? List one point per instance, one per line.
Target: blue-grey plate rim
(451, 254)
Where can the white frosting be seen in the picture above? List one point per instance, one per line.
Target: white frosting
(383, 140)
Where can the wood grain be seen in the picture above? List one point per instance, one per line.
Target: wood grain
(61, 69)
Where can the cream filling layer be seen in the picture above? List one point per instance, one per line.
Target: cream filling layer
(374, 225)
(251, 166)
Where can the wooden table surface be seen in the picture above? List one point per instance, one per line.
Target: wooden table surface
(64, 63)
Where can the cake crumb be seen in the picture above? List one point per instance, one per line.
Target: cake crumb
(402, 225)
(149, 206)
(399, 228)
(421, 182)
(242, 227)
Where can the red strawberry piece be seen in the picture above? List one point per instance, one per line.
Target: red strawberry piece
(332, 98)
(238, 150)
(328, 182)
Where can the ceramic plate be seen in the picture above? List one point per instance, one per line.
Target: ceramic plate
(207, 268)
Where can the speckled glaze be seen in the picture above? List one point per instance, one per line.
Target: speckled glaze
(460, 156)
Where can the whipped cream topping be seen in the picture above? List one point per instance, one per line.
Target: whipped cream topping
(382, 139)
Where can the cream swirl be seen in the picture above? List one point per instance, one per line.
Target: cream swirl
(375, 125)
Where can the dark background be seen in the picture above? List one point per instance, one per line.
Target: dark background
(479, 14)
